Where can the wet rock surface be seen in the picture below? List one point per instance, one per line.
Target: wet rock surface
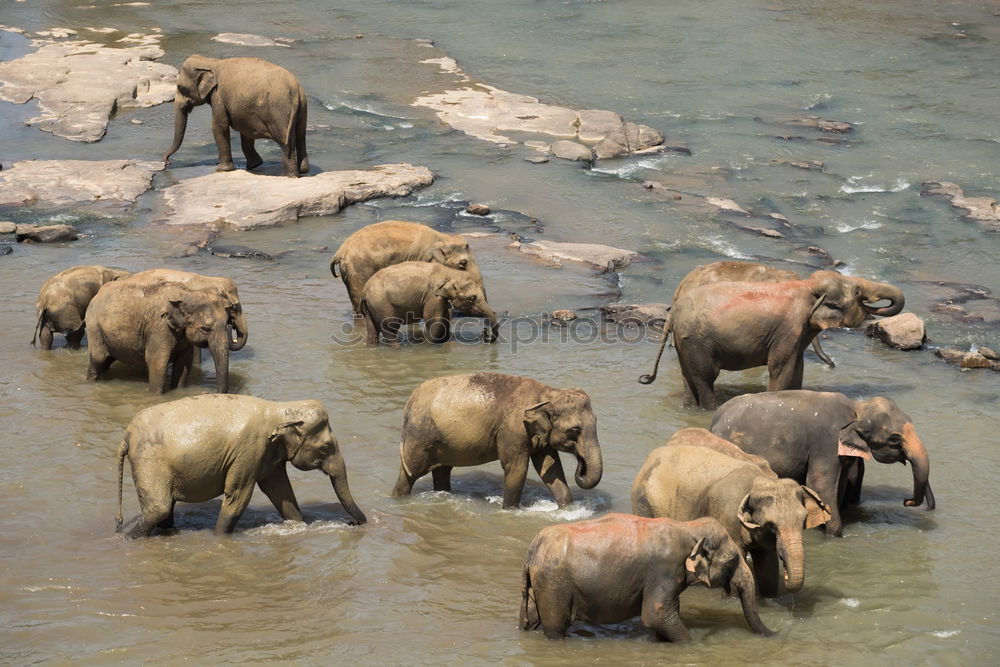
(46, 233)
(243, 200)
(649, 314)
(981, 357)
(75, 184)
(984, 210)
(80, 84)
(606, 258)
(246, 39)
(904, 331)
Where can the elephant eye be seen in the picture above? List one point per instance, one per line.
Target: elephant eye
(573, 432)
(895, 440)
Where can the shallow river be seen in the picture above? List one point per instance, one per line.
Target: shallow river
(435, 578)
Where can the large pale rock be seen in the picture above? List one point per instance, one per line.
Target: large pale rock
(571, 150)
(46, 233)
(904, 331)
(76, 183)
(984, 210)
(599, 256)
(80, 84)
(492, 114)
(243, 200)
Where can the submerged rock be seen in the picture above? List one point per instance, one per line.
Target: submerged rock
(984, 210)
(246, 39)
(75, 184)
(649, 314)
(606, 258)
(974, 358)
(243, 200)
(904, 331)
(80, 84)
(488, 113)
(240, 251)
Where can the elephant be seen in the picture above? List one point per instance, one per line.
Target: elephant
(699, 474)
(258, 99)
(194, 449)
(404, 293)
(467, 420)
(62, 302)
(157, 325)
(237, 319)
(822, 438)
(739, 325)
(619, 566)
(383, 244)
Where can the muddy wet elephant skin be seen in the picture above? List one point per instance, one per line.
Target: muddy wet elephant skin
(63, 300)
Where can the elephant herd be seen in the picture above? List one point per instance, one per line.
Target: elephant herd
(725, 506)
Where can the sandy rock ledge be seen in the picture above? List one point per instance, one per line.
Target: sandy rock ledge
(606, 258)
(76, 184)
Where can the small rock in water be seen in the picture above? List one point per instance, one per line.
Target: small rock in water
(46, 234)
(478, 209)
(904, 331)
(537, 160)
(239, 251)
(564, 315)
(5, 250)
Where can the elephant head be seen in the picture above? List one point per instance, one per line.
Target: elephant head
(200, 317)
(566, 422)
(196, 81)
(309, 444)
(466, 295)
(882, 431)
(845, 301)
(781, 507)
(715, 560)
(453, 251)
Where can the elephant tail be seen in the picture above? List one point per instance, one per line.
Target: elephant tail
(529, 619)
(122, 453)
(38, 326)
(668, 326)
(334, 263)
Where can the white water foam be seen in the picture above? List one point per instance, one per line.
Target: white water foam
(853, 603)
(854, 185)
(844, 227)
(944, 634)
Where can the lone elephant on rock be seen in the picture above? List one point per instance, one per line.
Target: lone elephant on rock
(405, 293)
(821, 439)
(383, 244)
(619, 566)
(699, 474)
(468, 420)
(63, 301)
(195, 449)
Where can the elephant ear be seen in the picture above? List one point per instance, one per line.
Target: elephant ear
(289, 431)
(849, 443)
(437, 255)
(206, 82)
(744, 515)
(817, 512)
(174, 315)
(538, 424)
(698, 562)
(446, 290)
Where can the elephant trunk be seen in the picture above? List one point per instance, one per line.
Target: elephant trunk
(219, 347)
(181, 110)
(873, 292)
(239, 335)
(743, 585)
(490, 333)
(589, 466)
(337, 472)
(916, 454)
(793, 558)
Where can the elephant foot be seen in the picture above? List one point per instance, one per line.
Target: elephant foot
(254, 163)
(226, 166)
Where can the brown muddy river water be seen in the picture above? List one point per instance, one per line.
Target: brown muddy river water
(435, 578)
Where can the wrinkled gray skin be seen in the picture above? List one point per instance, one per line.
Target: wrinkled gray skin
(157, 326)
(406, 293)
(63, 300)
(469, 420)
(619, 566)
(194, 449)
(376, 246)
(258, 99)
(237, 319)
(740, 325)
(699, 474)
(820, 439)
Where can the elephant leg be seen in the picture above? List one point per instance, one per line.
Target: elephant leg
(437, 329)
(254, 159)
(300, 143)
(785, 372)
(826, 484)
(167, 525)
(389, 328)
(155, 502)
(45, 337)
(220, 130)
(234, 503)
(555, 610)
(442, 478)
(699, 389)
(180, 369)
(100, 360)
(417, 462)
(288, 158)
(661, 613)
(515, 473)
(549, 468)
(157, 362)
(766, 566)
(852, 473)
(152, 517)
(279, 491)
(73, 339)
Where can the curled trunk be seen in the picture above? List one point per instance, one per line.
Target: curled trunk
(590, 466)
(916, 454)
(873, 292)
(239, 335)
(490, 333)
(743, 585)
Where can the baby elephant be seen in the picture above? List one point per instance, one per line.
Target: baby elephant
(195, 449)
(468, 420)
(611, 569)
(63, 300)
(404, 293)
(699, 474)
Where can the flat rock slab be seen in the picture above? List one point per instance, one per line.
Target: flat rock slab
(246, 39)
(488, 113)
(75, 184)
(79, 84)
(243, 200)
(602, 257)
(984, 210)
